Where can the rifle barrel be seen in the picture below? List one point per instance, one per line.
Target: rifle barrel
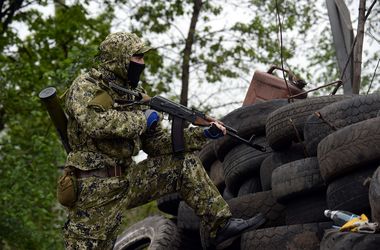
(231, 129)
(250, 143)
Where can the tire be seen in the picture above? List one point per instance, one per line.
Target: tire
(349, 148)
(350, 193)
(309, 209)
(207, 155)
(190, 240)
(227, 194)
(279, 158)
(250, 186)
(266, 170)
(295, 237)
(293, 153)
(217, 174)
(247, 120)
(336, 240)
(279, 129)
(339, 114)
(249, 205)
(297, 178)
(169, 203)
(241, 163)
(374, 196)
(187, 219)
(155, 232)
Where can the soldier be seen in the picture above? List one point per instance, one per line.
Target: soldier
(105, 130)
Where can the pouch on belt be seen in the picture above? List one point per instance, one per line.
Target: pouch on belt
(67, 191)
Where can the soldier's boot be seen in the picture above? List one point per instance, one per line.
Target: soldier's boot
(235, 227)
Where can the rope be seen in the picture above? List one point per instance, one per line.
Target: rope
(373, 76)
(311, 90)
(281, 52)
(319, 115)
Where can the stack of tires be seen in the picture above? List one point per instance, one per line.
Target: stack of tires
(292, 176)
(321, 153)
(235, 170)
(333, 145)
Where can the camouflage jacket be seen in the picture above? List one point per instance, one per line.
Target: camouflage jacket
(104, 129)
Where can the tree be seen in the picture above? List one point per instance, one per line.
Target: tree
(8, 10)
(54, 52)
(199, 47)
(224, 54)
(194, 49)
(322, 59)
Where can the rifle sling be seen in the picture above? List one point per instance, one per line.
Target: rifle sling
(178, 140)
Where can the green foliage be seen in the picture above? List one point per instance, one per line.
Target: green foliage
(54, 52)
(218, 54)
(59, 47)
(325, 56)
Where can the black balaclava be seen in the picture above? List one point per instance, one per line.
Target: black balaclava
(134, 71)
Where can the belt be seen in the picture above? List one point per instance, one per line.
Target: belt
(100, 172)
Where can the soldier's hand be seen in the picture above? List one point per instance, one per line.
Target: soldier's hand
(145, 98)
(215, 131)
(152, 118)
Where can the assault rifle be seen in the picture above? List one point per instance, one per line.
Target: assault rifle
(180, 114)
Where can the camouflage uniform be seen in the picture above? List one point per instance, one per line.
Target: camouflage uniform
(105, 131)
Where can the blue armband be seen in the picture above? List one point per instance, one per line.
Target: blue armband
(213, 132)
(152, 118)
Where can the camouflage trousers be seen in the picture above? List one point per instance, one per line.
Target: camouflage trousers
(94, 221)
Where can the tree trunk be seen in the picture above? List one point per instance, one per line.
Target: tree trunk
(187, 52)
(2, 114)
(358, 49)
(7, 12)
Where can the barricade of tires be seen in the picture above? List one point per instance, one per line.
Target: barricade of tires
(322, 153)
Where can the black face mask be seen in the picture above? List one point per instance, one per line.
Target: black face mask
(134, 71)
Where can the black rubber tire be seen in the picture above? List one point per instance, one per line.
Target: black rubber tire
(339, 114)
(249, 205)
(336, 240)
(294, 237)
(279, 129)
(247, 120)
(350, 192)
(243, 162)
(297, 178)
(227, 194)
(374, 196)
(250, 186)
(217, 174)
(190, 240)
(207, 154)
(266, 170)
(293, 153)
(187, 219)
(156, 232)
(169, 203)
(349, 148)
(279, 158)
(307, 209)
